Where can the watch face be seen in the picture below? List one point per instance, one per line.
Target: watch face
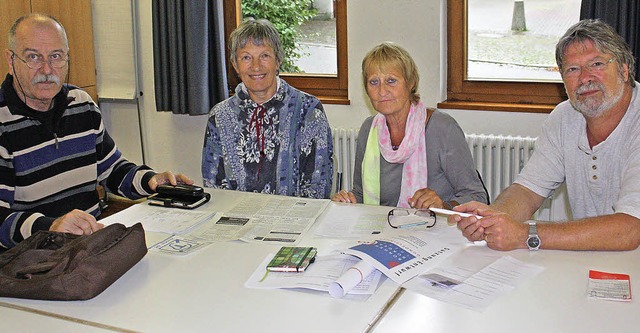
(533, 242)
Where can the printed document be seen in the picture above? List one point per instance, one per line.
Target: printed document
(224, 228)
(277, 219)
(473, 280)
(161, 219)
(403, 256)
(353, 221)
(609, 286)
(274, 219)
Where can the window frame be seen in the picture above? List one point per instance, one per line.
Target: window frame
(330, 89)
(513, 96)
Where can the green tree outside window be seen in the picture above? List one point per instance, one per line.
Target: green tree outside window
(286, 16)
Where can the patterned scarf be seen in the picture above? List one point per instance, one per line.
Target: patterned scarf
(412, 153)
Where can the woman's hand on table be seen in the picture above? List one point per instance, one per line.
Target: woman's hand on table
(344, 196)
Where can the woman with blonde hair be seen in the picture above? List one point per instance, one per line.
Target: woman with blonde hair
(408, 155)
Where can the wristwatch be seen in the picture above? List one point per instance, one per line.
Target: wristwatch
(533, 242)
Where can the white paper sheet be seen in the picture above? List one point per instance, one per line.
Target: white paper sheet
(222, 228)
(353, 221)
(161, 219)
(473, 280)
(351, 278)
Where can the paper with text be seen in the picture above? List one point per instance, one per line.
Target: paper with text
(161, 219)
(277, 219)
(353, 221)
(403, 256)
(609, 286)
(468, 284)
(224, 228)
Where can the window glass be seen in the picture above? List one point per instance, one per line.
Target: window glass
(307, 29)
(491, 66)
(320, 67)
(318, 45)
(515, 40)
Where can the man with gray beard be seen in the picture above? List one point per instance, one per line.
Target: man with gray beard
(591, 142)
(54, 149)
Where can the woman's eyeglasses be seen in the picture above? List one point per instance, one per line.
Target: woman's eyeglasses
(401, 218)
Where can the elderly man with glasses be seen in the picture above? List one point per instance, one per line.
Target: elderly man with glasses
(591, 142)
(54, 149)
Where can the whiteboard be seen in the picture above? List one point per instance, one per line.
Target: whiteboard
(114, 44)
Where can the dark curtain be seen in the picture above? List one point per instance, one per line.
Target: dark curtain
(188, 53)
(622, 15)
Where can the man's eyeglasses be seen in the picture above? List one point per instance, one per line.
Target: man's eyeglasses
(591, 67)
(56, 60)
(400, 218)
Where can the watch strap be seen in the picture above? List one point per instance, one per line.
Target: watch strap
(533, 241)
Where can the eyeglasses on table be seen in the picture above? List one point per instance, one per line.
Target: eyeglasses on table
(400, 218)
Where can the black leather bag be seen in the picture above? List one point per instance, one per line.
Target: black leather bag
(61, 266)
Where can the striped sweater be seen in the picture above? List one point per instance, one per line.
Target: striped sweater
(51, 162)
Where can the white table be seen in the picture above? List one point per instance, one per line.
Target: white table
(553, 301)
(204, 292)
(19, 319)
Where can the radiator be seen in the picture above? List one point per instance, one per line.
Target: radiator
(497, 158)
(344, 154)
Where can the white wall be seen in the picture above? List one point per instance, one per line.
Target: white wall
(175, 141)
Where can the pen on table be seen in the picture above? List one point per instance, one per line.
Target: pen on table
(385, 308)
(453, 212)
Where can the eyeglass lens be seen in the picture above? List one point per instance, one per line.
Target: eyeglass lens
(39, 63)
(58, 63)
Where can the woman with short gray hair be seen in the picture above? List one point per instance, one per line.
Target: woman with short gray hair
(269, 137)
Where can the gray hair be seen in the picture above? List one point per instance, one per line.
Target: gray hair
(605, 39)
(42, 19)
(259, 33)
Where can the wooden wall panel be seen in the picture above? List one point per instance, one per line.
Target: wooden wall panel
(75, 16)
